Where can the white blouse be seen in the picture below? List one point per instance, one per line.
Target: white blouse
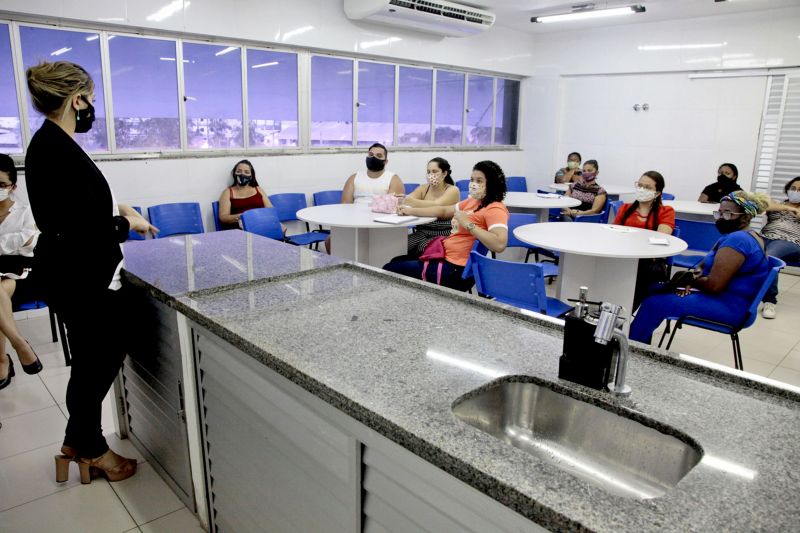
(16, 230)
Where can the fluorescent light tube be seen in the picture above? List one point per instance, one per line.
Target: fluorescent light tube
(590, 14)
(262, 65)
(60, 51)
(226, 50)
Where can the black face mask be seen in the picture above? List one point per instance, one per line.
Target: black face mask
(84, 117)
(243, 179)
(728, 226)
(723, 179)
(374, 164)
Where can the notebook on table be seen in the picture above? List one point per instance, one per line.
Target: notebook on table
(395, 219)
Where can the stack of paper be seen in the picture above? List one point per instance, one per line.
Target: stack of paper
(395, 219)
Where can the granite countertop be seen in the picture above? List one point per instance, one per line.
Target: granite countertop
(395, 354)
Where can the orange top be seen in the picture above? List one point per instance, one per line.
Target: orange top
(666, 215)
(459, 244)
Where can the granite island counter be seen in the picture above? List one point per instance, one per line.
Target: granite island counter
(318, 395)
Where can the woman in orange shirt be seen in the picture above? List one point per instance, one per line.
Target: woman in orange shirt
(647, 212)
(482, 216)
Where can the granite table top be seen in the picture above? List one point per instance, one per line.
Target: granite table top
(395, 354)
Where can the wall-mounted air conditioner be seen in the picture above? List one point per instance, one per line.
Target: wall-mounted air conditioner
(432, 16)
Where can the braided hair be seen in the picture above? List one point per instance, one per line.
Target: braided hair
(652, 216)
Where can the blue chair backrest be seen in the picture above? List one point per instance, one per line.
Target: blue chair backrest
(676, 232)
(775, 266)
(613, 209)
(516, 184)
(288, 204)
(516, 220)
(176, 219)
(263, 221)
(667, 196)
(132, 235)
(215, 209)
(700, 236)
(519, 284)
(410, 187)
(463, 185)
(481, 249)
(327, 197)
(598, 218)
(463, 195)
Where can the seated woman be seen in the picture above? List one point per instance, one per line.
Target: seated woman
(439, 191)
(723, 285)
(782, 234)
(592, 196)
(727, 173)
(647, 212)
(244, 194)
(572, 172)
(18, 235)
(482, 216)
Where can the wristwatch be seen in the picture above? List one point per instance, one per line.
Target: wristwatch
(470, 226)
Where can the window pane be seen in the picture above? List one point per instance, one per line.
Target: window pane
(331, 101)
(416, 92)
(144, 88)
(506, 112)
(44, 44)
(449, 107)
(213, 80)
(479, 109)
(375, 103)
(272, 98)
(10, 129)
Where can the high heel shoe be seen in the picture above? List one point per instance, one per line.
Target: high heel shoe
(7, 380)
(35, 367)
(110, 465)
(68, 454)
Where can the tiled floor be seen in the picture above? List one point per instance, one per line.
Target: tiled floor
(32, 412)
(33, 415)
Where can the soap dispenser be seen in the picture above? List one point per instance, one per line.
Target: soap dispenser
(584, 360)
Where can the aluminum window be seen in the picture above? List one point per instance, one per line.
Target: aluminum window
(331, 101)
(272, 99)
(415, 106)
(10, 124)
(449, 107)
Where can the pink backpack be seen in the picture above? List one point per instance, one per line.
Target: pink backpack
(434, 250)
(384, 203)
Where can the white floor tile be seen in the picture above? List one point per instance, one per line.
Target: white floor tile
(36, 330)
(25, 395)
(146, 496)
(57, 385)
(32, 430)
(787, 375)
(85, 508)
(182, 521)
(31, 475)
(792, 360)
(754, 366)
(762, 344)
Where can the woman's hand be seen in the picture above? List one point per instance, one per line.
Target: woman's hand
(404, 209)
(140, 225)
(410, 201)
(462, 217)
(683, 291)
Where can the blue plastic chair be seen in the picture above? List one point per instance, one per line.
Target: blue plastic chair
(463, 185)
(287, 205)
(667, 196)
(215, 209)
(598, 218)
(775, 266)
(478, 247)
(176, 219)
(516, 184)
(700, 236)
(132, 235)
(517, 284)
(463, 195)
(516, 220)
(410, 187)
(263, 221)
(327, 197)
(613, 209)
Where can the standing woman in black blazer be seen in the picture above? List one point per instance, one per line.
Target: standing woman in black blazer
(79, 257)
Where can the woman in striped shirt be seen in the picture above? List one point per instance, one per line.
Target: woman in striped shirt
(782, 235)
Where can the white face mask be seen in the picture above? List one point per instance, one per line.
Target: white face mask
(433, 180)
(4, 194)
(794, 197)
(644, 195)
(477, 191)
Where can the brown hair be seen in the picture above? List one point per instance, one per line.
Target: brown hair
(655, 207)
(50, 84)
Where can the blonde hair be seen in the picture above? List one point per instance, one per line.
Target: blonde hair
(50, 84)
(753, 203)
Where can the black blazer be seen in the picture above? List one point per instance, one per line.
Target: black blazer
(78, 250)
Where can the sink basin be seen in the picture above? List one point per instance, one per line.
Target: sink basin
(625, 457)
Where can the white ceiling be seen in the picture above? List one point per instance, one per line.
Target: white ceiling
(517, 13)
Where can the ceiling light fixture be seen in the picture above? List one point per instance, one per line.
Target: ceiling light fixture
(60, 51)
(262, 65)
(589, 12)
(698, 46)
(226, 50)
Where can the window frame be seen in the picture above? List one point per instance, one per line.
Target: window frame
(396, 66)
(16, 61)
(433, 71)
(353, 111)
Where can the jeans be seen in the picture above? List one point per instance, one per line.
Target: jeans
(451, 274)
(789, 252)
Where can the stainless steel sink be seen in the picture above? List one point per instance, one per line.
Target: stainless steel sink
(619, 454)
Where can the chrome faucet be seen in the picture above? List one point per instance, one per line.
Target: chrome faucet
(609, 325)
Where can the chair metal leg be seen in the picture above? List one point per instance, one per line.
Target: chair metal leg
(64, 342)
(528, 254)
(664, 333)
(53, 331)
(671, 337)
(737, 352)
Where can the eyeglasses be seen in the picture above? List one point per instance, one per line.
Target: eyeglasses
(6, 185)
(640, 186)
(727, 215)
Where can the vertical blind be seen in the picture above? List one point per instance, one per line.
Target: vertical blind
(778, 157)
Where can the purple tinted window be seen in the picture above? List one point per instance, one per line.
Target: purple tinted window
(272, 98)
(414, 115)
(212, 77)
(449, 107)
(479, 109)
(44, 44)
(506, 111)
(10, 129)
(375, 103)
(144, 89)
(331, 101)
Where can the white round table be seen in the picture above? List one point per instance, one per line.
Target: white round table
(532, 202)
(603, 257)
(613, 191)
(692, 209)
(356, 236)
